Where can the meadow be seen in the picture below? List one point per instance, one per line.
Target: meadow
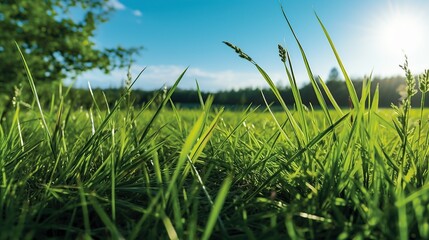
(162, 172)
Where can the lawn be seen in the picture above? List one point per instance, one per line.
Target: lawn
(163, 172)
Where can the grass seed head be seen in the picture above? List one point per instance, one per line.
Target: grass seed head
(411, 83)
(238, 51)
(282, 53)
(424, 81)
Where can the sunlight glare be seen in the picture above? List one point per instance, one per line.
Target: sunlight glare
(400, 32)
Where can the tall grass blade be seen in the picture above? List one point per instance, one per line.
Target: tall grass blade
(351, 89)
(297, 129)
(216, 209)
(279, 127)
(172, 234)
(330, 96)
(105, 219)
(34, 90)
(161, 106)
(315, 85)
(295, 90)
(84, 204)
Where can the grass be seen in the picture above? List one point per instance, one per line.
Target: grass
(163, 172)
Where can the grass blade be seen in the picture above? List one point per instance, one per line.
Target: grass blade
(34, 90)
(315, 85)
(161, 106)
(105, 218)
(353, 95)
(216, 209)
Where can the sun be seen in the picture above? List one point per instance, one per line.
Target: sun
(400, 32)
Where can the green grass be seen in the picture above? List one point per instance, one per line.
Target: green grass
(161, 172)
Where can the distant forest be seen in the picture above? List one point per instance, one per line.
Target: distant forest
(389, 89)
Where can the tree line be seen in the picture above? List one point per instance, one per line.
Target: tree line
(389, 92)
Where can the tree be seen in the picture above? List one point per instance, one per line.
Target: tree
(55, 41)
(334, 75)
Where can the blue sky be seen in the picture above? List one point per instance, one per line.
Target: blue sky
(371, 36)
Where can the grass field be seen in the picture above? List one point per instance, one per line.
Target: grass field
(159, 172)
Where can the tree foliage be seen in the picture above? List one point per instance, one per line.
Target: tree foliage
(57, 38)
(334, 75)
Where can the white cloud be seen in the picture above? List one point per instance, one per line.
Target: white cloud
(208, 80)
(116, 4)
(137, 13)
(154, 77)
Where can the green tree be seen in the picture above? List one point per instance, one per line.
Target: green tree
(334, 75)
(57, 39)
